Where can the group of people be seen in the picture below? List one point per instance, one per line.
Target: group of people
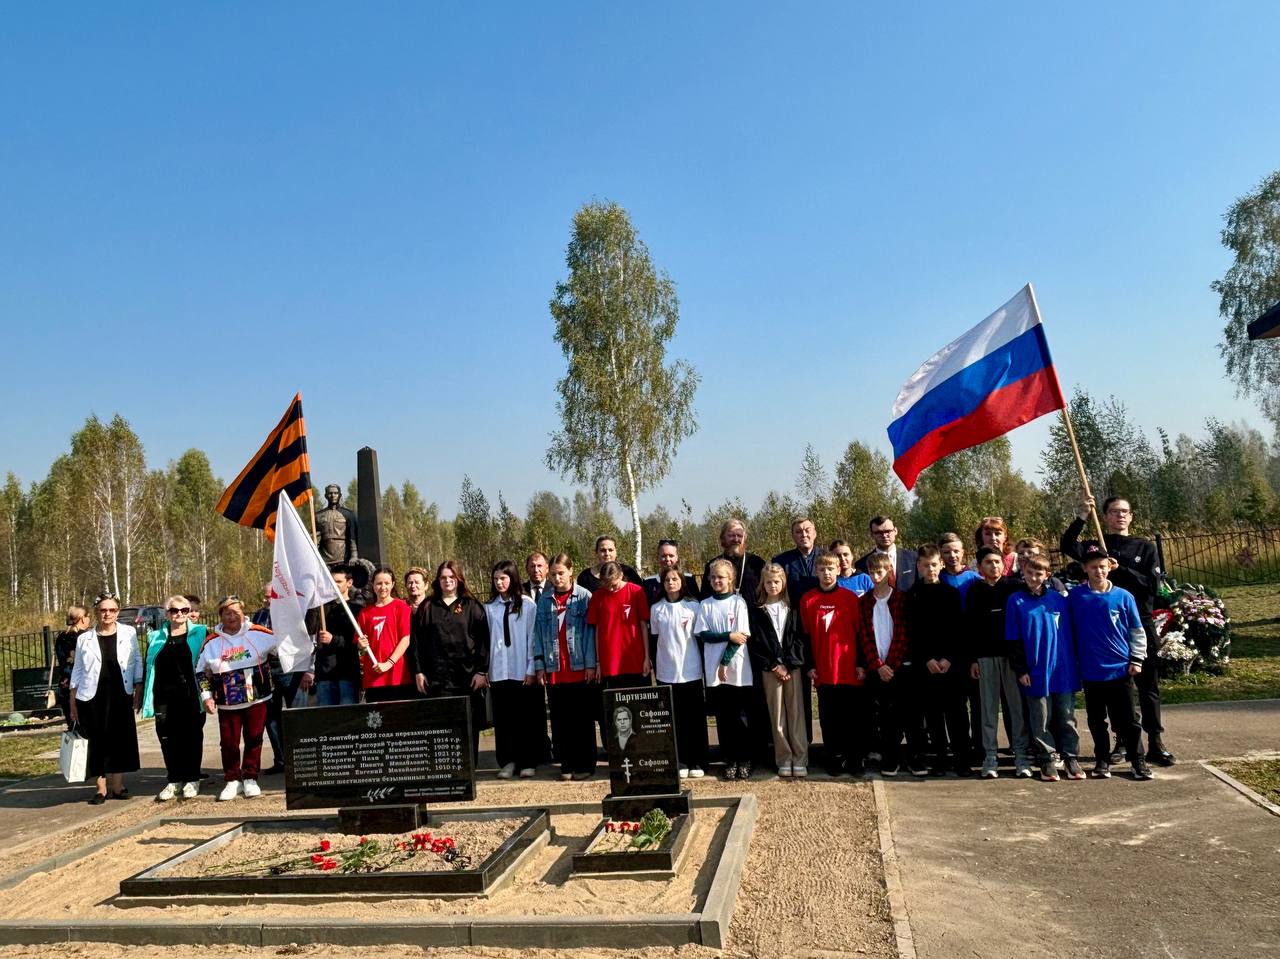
(914, 656)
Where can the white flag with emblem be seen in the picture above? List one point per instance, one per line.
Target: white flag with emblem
(299, 581)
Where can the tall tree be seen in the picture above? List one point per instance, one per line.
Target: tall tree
(625, 409)
(1251, 286)
(865, 486)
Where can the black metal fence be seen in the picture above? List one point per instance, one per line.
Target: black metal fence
(22, 651)
(1231, 557)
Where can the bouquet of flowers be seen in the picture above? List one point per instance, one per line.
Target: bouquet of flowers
(1196, 629)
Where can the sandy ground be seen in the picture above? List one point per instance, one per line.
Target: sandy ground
(811, 887)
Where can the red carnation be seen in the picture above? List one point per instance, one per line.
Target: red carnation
(317, 859)
(325, 845)
(329, 864)
(363, 840)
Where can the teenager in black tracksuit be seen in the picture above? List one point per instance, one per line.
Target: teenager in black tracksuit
(1139, 573)
(937, 647)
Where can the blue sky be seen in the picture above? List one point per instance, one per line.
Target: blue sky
(206, 208)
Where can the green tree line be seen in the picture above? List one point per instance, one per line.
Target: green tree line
(103, 518)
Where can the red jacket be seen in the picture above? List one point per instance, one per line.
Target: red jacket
(833, 623)
(899, 645)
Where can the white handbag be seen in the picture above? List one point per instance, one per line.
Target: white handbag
(73, 757)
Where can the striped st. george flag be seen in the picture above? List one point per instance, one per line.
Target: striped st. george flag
(281, 465)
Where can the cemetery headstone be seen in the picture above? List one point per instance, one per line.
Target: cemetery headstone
(29, 687)
(379, 762)
(644, 769)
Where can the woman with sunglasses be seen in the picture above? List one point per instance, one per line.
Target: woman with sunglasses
(106, 690)
(171, 695)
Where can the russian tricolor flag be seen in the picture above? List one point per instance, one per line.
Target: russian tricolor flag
(993, 379)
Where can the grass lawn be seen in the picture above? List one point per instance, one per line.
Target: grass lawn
(17, 755)
(1260, 775)
(1255, 652)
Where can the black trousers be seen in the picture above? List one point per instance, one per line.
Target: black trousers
(1118, 700)
(974, 702)
(733, 722)
(945, 698)
(574, 707)
(181, 734)
(1148, 684)
(519, 723)
(842, 718)
(898, 702)
(689, 703)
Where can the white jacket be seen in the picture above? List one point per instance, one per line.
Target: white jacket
(88, 664)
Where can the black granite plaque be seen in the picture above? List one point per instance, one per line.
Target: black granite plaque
(640, 724)
(29, 688)
(379, 754)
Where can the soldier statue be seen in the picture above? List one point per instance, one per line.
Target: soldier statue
(338, 529)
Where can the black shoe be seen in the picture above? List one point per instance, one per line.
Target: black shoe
(97, 799)
(917, 767)
(938, 770)
(275, 769)
(1140, 768)
(963, 770)
(835, 771)
(730, 772)
(744, 770)
(889, 769)
(1101, 769)
(1160, 756)
(855, 769)
(1117, 754)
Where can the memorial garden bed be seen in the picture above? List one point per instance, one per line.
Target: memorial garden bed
(461, 855)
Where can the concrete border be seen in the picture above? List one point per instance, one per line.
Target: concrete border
(893, 888)
(709, 927)
(1252, 795)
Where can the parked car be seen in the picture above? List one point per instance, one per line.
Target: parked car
(142, 618)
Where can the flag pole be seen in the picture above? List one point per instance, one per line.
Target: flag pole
(1075, 447)
(315, 538)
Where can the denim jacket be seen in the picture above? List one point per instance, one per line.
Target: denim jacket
(579, 636)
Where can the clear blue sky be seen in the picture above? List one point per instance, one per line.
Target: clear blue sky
(208, 207)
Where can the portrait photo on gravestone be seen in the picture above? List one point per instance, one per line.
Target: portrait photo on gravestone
(392, 753)
(642, 741)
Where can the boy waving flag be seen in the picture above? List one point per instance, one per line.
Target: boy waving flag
(991, 380)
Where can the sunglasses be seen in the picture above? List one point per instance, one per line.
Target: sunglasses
(175, 610)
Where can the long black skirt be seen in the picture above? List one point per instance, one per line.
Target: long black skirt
(107, 721)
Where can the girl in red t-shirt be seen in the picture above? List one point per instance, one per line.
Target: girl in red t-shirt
(385, 626)
(620, 613)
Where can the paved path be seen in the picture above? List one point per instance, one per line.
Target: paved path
(1176, 868)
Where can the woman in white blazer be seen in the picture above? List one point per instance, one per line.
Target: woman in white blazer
(106, 691)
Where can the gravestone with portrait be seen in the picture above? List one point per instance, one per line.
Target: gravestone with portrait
(644, 776)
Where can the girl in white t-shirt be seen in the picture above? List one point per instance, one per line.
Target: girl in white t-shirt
(723, 629)
(679, 665)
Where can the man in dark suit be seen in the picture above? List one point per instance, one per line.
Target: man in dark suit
(798, 562)
(884, 534)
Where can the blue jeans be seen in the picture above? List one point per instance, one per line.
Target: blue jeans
(337, 692)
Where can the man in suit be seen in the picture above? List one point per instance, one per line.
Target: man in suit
(798, 562)
(535, 568)
(884, 534)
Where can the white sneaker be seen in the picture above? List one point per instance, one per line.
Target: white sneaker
(696, 772)
(684, 772)
(799, 772)
(167, 794)
(527, 773)
(229, 791)
(190, 790)
(507, 771)
(251, 789)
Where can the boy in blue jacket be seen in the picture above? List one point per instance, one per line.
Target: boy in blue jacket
(1038, 629)
(1110, 647)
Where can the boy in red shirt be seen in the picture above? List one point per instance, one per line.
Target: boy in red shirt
(620, 613)
(831, 620)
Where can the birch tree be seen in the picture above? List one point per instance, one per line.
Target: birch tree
(624, 409)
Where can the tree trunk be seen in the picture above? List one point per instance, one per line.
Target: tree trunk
(633, 503)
